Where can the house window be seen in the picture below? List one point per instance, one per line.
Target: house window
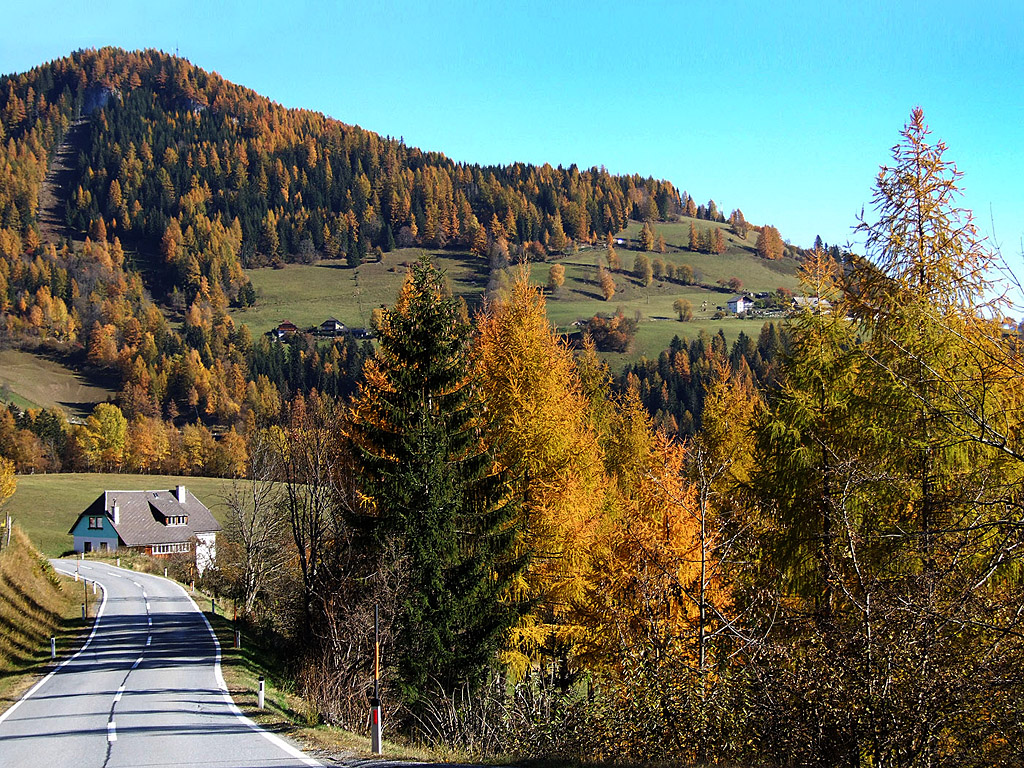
(96, 523)
(170, 549)
(177, 520)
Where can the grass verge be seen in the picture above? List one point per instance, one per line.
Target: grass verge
(285, 712)
(35, 604)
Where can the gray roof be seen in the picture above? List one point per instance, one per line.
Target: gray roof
(143, 514)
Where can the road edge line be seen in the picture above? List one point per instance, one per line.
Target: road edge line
(273, 738)
(59, 667)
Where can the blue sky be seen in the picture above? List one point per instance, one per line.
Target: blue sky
(783, 109)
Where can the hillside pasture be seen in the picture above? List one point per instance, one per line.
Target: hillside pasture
(36, 381)
(309, 294)
(46, 506)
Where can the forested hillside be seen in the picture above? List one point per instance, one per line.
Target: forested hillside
(220, 175)
(173, 180)
(801, 550)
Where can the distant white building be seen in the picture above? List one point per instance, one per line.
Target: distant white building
(811, 303)
(739, 304)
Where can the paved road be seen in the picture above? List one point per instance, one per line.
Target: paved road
(145, 690)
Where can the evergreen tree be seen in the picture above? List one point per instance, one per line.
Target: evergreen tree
(431, 484)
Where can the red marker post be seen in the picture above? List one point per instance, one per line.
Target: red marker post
(375, 714)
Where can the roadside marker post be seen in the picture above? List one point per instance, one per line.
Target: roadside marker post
(375, 724)
(119, 562)
(238, 639)
(94, 587)
(165, 573)
(261, 694)
(53, 647)
(83, 611)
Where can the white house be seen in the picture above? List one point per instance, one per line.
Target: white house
(740, 304)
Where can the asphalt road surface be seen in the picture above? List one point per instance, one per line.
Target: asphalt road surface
(145, 690)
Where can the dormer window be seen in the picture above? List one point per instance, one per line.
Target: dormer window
(177, 520)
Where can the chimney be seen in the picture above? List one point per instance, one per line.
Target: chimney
(181, 494)
(117, 514)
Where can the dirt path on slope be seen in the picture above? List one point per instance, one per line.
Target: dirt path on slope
(55, 189)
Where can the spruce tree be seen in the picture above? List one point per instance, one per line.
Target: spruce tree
(429, 477)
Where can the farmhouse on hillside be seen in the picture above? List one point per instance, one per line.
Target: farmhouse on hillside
(285, 330)
(158, 523)
(810, 303)
(332, 327)
(739, 304)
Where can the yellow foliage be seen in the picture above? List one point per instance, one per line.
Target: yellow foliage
(8, 482)
(660, 568)
(533, 392)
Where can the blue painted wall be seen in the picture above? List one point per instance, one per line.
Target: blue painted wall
(82, 529)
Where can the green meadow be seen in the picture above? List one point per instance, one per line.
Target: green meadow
(309, 294)
(46, 506)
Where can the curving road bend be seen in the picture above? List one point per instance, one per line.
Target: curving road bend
(146, 689)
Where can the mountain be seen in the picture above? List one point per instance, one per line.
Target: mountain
(212, 176)
(139, 192)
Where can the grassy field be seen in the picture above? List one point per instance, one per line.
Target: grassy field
(35, 605)
(46, 506)
(36, 381)
(309, 294)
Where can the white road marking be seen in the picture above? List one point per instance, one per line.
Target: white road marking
(147, 606)
(143, 593)
(149, 639)
(120, 693)
(41, 683)
(137, 584)
(111, 731)
(150, 620)
(137, 662)
(219, 674)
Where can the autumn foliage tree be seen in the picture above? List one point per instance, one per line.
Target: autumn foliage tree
(878, 466)
(606, 283)
(545, 436)
(431, 486)
(556, 276)
(769, 243)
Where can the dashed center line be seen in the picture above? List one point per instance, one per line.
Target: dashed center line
(137, 662)
(120, 693)
(111, 731)
(149, 639)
